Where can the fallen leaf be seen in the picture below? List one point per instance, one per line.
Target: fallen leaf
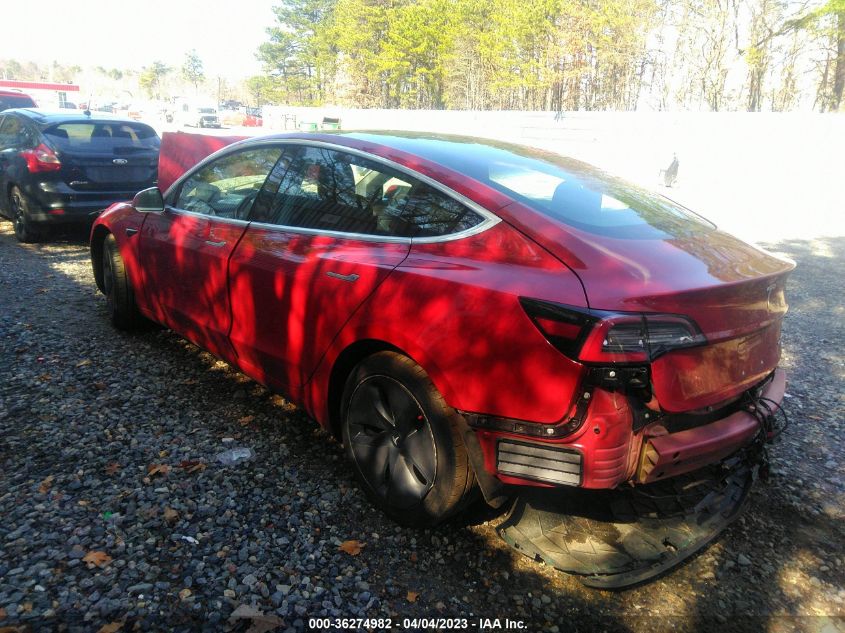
(100, 559)
(42, 291)
(154, 469)
(100, 385)
(45, 377)
(414, 557)
(170, 514)
(185, 594)
(193, 467)
(112, 468)
(45, 486)
(246, 420)
(162, 453)
(2, 613)
(412, 596)
(111, 627)
(83, 502)
(353, 547)
(82, 363)
(260, 623)
(26, 607)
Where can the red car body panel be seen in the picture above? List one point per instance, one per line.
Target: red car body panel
(186, 259)
(293, 297)
(286, 305)
(180, 151)
(481, 279)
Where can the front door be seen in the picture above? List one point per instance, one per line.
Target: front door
(186, 249)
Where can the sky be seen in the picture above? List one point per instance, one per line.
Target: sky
(132, 34)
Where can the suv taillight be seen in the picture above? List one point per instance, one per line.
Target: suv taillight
(41, 159)
(607, 337)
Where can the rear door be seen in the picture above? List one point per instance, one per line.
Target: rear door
(186, 248)
(310, 257)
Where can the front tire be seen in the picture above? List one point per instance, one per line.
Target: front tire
(120, 297)
(404, 441)
(20, 211)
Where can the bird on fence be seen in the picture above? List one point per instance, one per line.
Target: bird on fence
(670, 174)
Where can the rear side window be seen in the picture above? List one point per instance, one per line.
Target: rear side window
(117, 137)
(14, 133)
(323, 189)
(16, 101)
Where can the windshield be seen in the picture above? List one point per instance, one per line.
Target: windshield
(116, 137)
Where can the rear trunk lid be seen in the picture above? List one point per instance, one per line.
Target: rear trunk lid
(638, 252)
(106, 155)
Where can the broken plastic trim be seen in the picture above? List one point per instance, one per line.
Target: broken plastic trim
(619, 538)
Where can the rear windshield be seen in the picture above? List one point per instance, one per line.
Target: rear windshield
(16, 101)
(93, 136)
(593, 202)
(563, 189)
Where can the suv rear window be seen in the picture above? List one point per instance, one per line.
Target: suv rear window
(109, 136)
(16, 101)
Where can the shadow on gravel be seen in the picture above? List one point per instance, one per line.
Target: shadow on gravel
(299, 493)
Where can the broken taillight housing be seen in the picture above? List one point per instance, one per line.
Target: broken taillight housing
(594, 336)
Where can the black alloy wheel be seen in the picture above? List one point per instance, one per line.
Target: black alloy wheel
(404, 442)
(19, 206)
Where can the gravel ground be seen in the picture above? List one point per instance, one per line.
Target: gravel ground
(114, 511)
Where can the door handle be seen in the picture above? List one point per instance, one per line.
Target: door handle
(217, 244)
(131, 232)
(352, 277)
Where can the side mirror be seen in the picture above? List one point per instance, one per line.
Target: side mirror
(149, 201)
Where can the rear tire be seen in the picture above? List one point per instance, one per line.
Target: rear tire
(120, 297)
(20, 211)
(404, 442)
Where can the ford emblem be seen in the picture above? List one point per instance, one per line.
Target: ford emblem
(120, 161)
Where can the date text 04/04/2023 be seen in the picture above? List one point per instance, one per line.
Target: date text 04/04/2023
(385, 624)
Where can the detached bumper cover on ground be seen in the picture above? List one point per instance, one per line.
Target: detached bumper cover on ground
(619, 538)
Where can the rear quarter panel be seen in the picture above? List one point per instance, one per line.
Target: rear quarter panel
(453, 307)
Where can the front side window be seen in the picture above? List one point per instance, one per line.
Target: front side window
(327, 190)
(227, 186)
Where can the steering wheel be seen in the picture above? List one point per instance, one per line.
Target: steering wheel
(200, 206)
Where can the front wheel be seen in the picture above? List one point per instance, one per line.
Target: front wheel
(404, 442)
(20, 211)
(120, 297)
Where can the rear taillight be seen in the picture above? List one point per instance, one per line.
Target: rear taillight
(41, 159)
(606, 337)
(638, 338)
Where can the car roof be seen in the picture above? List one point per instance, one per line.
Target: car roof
(466, 155)
(45, 118)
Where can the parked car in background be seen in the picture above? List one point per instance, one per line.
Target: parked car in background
(242, 117)
(195, 113)
(64, 167)
(15, 99)
(459, 310)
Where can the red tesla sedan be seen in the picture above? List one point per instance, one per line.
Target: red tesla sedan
(463, 313)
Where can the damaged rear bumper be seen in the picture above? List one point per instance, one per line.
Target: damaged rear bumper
(608, 450)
